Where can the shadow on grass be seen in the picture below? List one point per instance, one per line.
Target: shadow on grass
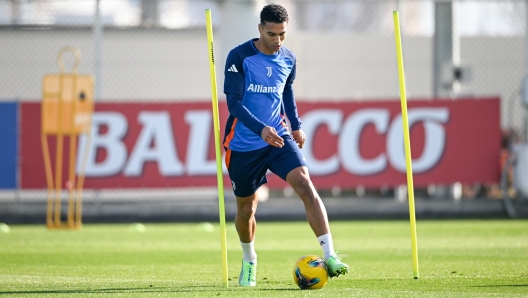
(499, 286)
(187, 289)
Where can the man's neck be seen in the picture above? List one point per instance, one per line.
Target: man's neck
(262, 48)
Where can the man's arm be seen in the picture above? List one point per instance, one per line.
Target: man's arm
(239, 111)
(234, 90)
(289, 101)
(290, 107)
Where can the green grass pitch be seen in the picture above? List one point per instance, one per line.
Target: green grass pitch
(463, 258)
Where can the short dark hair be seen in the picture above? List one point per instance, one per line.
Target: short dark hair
(273, 13)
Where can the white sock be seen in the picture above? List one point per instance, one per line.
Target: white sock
(327, 245)
(249, 251)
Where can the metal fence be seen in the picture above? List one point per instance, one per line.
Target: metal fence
(154, 50)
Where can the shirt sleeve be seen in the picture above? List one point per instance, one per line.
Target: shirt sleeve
(289, 101)
(234, 91)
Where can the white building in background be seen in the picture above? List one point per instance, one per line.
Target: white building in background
(475, 18)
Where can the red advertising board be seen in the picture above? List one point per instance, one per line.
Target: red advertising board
(147, 145)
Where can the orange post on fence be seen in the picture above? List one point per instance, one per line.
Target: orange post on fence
(66, 111)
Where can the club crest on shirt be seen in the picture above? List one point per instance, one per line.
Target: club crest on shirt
(269, 71)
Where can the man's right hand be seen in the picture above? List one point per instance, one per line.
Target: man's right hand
(270, 136)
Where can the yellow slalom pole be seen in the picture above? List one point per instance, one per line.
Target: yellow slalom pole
(405, 123)
(216, 120)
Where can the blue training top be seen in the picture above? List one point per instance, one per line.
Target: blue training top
(255, 84)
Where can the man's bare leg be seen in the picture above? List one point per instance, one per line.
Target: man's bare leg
(317, 217)
(299, 179)
(246, 225)
(245, 222)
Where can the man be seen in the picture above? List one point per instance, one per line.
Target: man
(258, 85)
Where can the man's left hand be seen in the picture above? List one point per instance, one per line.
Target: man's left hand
(299, 137)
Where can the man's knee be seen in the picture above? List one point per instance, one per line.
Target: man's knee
(304, 188)
(247, 206)
(299, 179)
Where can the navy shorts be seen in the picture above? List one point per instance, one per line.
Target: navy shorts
(247, 170)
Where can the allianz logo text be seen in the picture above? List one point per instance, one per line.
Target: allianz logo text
(263, 89)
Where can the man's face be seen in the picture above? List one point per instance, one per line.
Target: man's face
(272, 35)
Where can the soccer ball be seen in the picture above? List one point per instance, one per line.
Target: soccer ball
(310, 272)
